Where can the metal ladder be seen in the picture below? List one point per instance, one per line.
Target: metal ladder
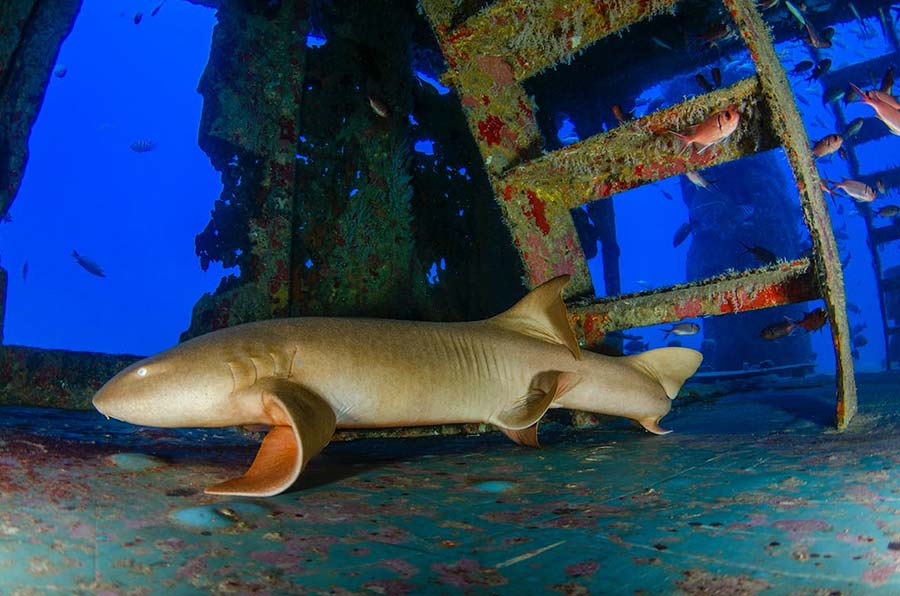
(489, 55)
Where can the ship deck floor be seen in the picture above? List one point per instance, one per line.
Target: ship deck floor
(752, 493)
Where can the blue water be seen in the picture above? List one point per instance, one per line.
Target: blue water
(136, 214)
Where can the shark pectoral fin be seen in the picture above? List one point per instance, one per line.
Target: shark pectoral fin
(520, 421)
(542, 314)
(303, 424)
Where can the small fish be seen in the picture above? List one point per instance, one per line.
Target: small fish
(60, 71)
(379, 108)
(813, 320)
(854, 308)
(143, 146)
(887, 82)
(842, 153)
(862, 23)
(827, 145)
(636, 346)
(814, 40)
(685, 328)
(681, 234)
(827, 34)
(885, 98)
(697, 180)
(858, 328)
(717, 76)
(802, 66)
(778, 330)
(859, 341)
(888, 211)
(25, 271)
(854, 127)
(660, 42)
(833, 94)
(796, 12)
(716, 32)
(763, 255)
(850, 95)
(885, 23)
(711, 131)
(667, 196)
(156, 10)
(704, 84)
(856, 189)
(821, 68)
(88, 265)
(137, 17)
(880, 185)
(890, 116)
(620, 114)
(766, 4)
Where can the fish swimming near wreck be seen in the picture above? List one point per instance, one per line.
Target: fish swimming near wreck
(88, 265)
(306, 377)
(884, 111)
(711, 131)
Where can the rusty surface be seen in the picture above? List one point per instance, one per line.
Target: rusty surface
(55, 378)
(31, 32)
(775, 285)
(788, 124)
(531, 35)
(252, 89)
(538, 195)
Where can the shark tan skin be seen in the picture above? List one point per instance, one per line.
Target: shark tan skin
(305, 377)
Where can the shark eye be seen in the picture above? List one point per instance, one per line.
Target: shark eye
(142, 372)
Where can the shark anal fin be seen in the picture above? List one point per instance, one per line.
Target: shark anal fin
(303, 424)
(526, 436)
(542, 314)
(519, 421)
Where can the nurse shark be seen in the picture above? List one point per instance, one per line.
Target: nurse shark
(307, 377)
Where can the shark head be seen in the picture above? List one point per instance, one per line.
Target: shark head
(183, 386)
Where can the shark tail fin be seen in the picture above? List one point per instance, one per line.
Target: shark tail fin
(670, 367)
(542, 314)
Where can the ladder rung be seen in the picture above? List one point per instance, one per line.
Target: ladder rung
(885, 234)
(775, 285)
(541, 35)
(637, 153)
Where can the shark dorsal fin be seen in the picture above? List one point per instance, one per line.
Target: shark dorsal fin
(542, 314)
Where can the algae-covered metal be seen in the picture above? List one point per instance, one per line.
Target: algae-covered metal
(775, 285)
(788, 125)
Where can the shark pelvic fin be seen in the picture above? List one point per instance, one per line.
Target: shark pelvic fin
(303, 425)
(542, 314)
(520, 420)
(670, 367)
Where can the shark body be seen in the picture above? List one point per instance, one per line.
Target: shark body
(306, 377)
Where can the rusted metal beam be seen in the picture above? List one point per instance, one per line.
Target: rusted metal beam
(536, 197)
(533, 34)
(788, 124)
(641, 151)
(784, 283)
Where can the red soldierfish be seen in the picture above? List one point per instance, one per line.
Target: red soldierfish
(856, 189)
(890, 116)
(828, 145)
(814, 320)
(714, 129)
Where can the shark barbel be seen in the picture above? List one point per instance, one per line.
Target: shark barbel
(307, 377)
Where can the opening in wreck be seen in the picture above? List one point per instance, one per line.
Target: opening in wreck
(115, 174)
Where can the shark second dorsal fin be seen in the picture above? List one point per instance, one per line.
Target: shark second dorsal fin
(303, 424)
(542, 314)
